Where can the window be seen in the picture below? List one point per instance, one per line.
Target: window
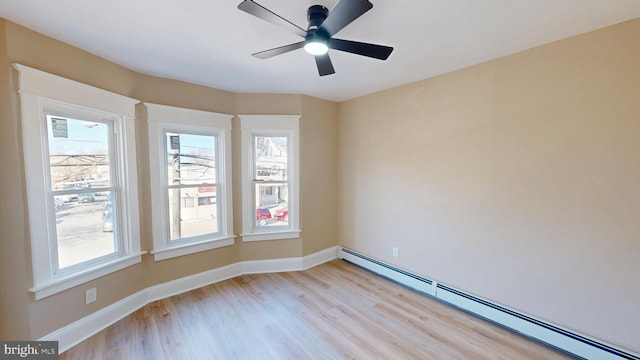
(191, 180)
(270, 177)
(81, 180)
(80, 175)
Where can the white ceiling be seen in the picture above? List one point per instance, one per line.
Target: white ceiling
(210, 42)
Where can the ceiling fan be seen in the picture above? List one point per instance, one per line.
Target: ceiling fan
(318, 38)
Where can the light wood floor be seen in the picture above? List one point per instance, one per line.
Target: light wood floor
(333, 311)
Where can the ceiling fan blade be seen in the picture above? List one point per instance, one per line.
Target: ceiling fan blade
(279, 50)
(371, 50)
(259, 11)
(343, 14)
(325, 67)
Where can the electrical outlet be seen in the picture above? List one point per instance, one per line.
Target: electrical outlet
(395, 251)
(91, 295)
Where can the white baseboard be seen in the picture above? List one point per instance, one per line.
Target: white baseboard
(320, 257)
(553, 335)
(191, 282)
(270, 265)
(84, 328)
(88, 326)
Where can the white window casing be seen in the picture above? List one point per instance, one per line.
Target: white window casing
(163, 119)
(42, 93)
(253, 126)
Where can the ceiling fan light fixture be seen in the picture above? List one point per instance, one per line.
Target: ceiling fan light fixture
(316, 47)
(318, 37)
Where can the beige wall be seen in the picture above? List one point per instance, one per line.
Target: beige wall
(24, 318)
(517, 180)
(318, 171)
(13, 272)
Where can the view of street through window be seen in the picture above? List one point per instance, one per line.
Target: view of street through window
(84, 229)
(82, 192)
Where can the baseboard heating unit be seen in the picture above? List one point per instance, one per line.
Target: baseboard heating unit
(568, 341)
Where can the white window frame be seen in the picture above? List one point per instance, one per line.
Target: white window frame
(162, 118)
(42, 93)
(270, 125)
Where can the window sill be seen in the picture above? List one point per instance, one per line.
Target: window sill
(191, 248)
(273, 235)
(59, 285)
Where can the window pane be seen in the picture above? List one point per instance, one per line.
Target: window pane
(84, 228)
(80, 172)
(78, 153)
(191, 158)
(195, 213)
(271, 204)
(271, 157)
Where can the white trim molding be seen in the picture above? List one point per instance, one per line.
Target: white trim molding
(81, 278)
(163, 119)
(88, 326)
(320, 257)
(279, 126)
(43, 94)
(39, 83)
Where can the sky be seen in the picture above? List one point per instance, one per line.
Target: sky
(69, 136)
(80, 138)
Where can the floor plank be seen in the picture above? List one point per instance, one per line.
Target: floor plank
(333, 311)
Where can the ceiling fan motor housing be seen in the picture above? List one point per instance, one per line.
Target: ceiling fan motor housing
(316, 15)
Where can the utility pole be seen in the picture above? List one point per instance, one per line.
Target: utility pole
(175, 192)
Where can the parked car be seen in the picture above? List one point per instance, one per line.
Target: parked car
(262, 215)
(106, 206)
(69, 197)
(107, 220)
(86, 197)
(58, 202)
(107, 215)
(282, 214)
